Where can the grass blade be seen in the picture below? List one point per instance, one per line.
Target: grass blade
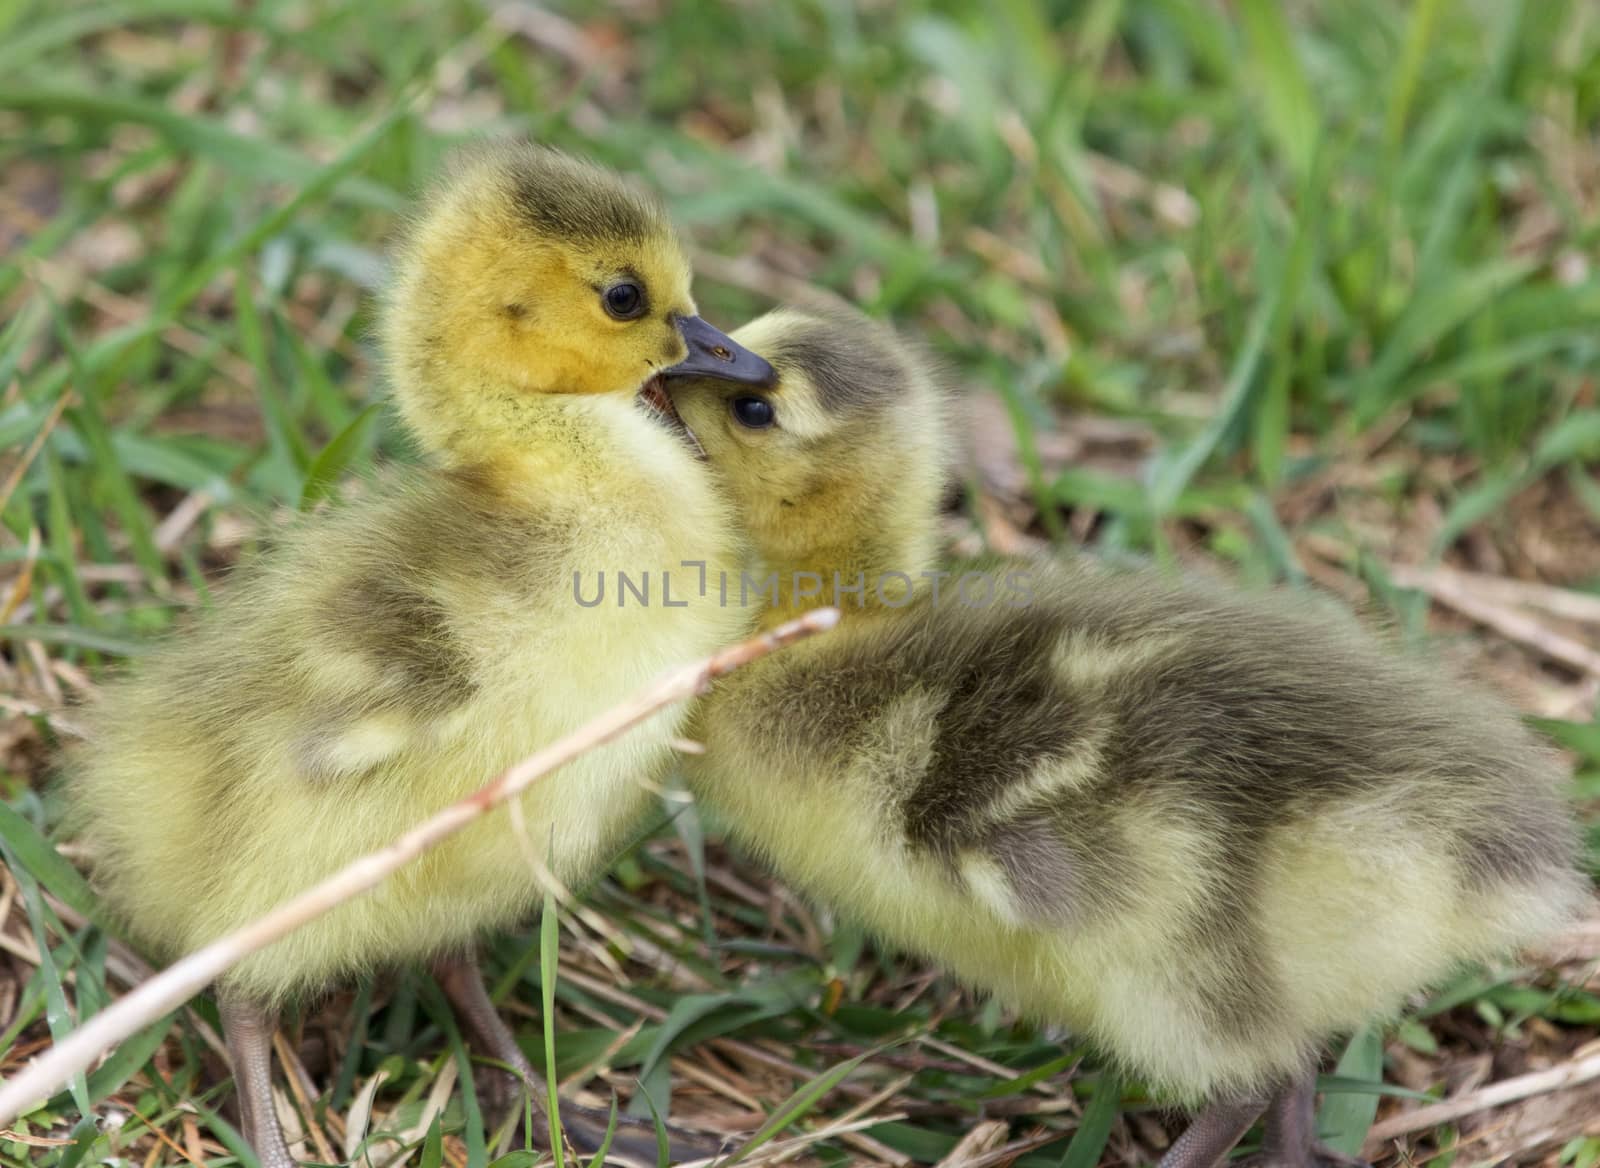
(72, 635)
(432, 1145)
(71, 25)
(472, 1113)
(1437, 309)
(1345, 1116)
(798, 1105)
(1175, 473)
(47, 865)
(90, 423)
(57, 1013)
(1286, 102)
(125, 1062)
(346, 447)
(1419, 38)
(1089, 1141)
(549, 951)
(599, 1158)
(207, 138)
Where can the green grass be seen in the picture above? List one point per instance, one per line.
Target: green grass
(1327, 266)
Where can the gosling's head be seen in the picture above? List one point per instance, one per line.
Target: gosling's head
(841, 460)
(528, 272)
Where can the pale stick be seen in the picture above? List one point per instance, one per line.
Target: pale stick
(179, 982)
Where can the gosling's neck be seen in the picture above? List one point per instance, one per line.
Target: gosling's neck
(859, 568)
(547, 443)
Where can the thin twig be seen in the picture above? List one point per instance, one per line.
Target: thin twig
(1582, 607)
(1560, 1078)
(187, 977)
(862, 1142)
(780, 1149)
(28, 455)
(24, 581)
(295, 1075)
(1006, 1153)
(170, 531)
(1510, 623)
(984, 1136)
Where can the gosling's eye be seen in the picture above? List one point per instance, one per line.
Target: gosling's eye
(753, 413)
(624, 301)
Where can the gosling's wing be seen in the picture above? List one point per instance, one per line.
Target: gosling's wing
(390, 669)
(396, 639)
(355, 637)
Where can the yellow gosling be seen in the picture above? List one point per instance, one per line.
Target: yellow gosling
(1208, 829)
(395, 653)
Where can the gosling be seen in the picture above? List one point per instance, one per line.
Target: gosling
(1208, 829)
(390, 656)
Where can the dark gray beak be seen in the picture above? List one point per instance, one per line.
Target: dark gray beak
(715, 354)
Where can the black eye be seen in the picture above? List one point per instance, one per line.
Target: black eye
(754, 413)
(624, 301)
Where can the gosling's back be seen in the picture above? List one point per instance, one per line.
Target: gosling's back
(1207, 828)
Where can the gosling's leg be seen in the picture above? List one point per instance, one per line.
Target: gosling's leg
(1212, 1135)
(634, 1142)
(248, 1031)
(1291, 1136)
(462, 983)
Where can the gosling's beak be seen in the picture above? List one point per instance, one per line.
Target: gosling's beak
(715, 354)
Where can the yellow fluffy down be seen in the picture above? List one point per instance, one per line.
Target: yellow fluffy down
(1207, 829)
(819, 759)
(381, 663)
